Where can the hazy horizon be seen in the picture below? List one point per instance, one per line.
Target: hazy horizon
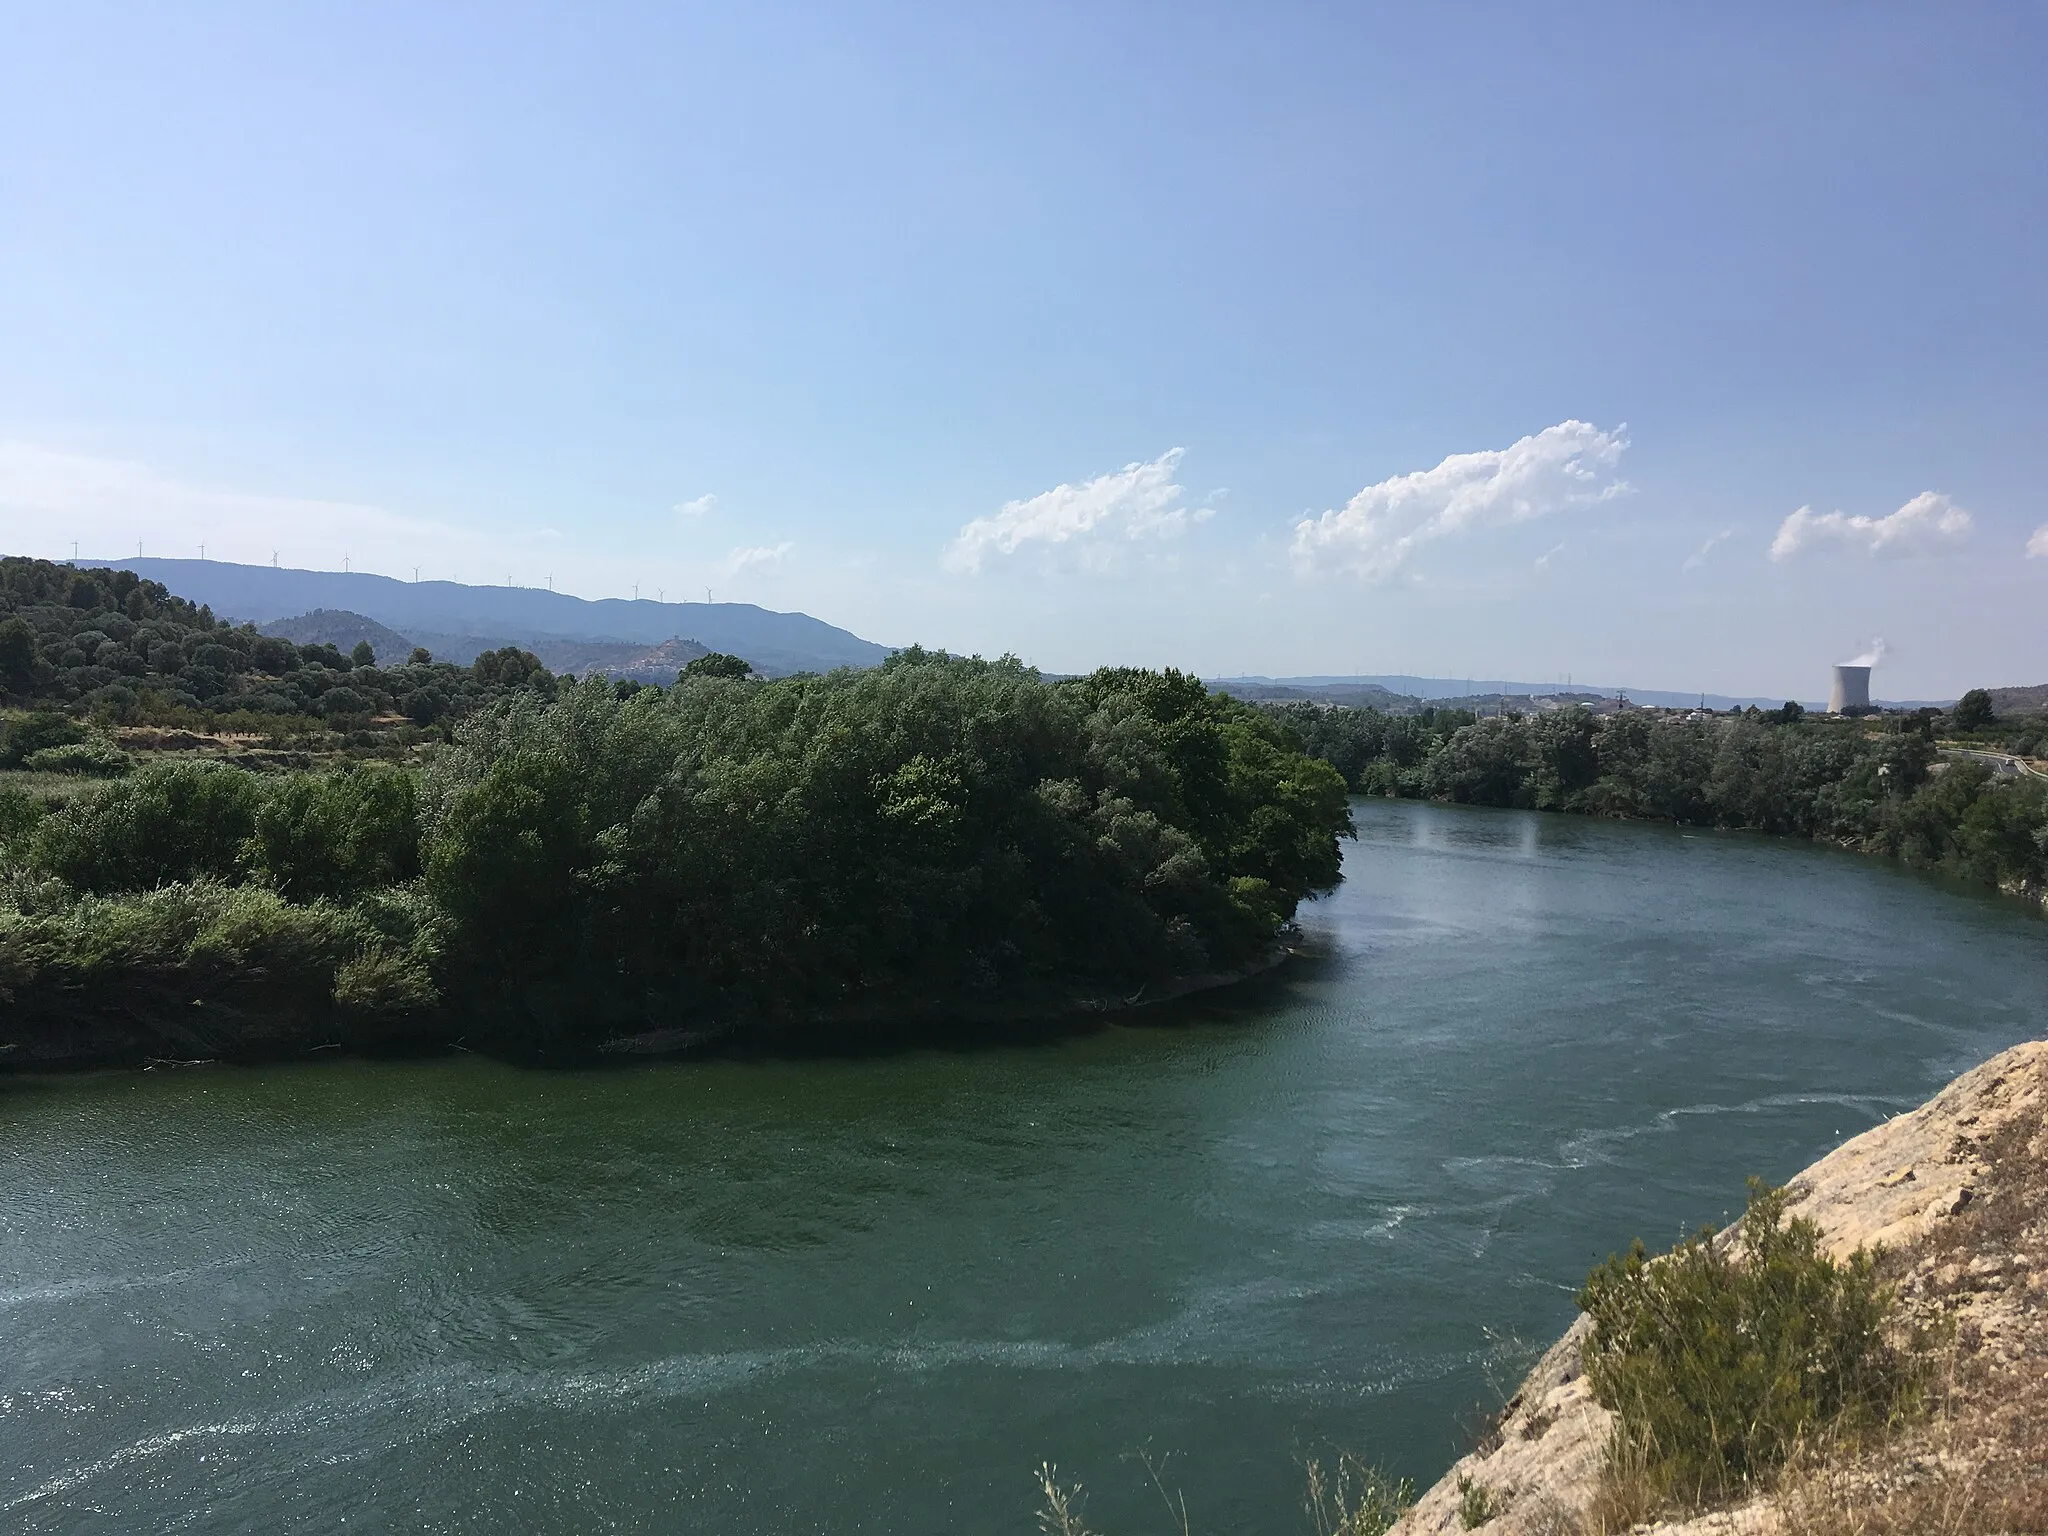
(1698, 351)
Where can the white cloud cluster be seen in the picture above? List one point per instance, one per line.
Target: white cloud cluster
(2037, 546)
(760, 557)
(696, 506)
(1138, 501)
(1927, 522)
(1372, 535)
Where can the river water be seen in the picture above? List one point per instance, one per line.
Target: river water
(1335, 1208)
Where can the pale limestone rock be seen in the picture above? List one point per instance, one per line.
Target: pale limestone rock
(1888, 1186)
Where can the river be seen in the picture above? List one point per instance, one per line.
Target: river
(1335, 1208)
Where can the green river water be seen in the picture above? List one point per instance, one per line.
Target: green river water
(1338, 1207)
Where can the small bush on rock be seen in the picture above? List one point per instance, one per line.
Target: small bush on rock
(1721, 1358)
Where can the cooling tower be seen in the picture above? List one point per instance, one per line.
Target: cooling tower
(1851, 690)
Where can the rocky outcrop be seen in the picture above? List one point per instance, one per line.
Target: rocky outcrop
(1957, 1192)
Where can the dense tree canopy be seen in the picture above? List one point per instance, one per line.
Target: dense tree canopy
(1777, 771)
(593, 860)
(110, 644)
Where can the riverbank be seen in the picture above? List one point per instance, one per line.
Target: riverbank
(255, 1023)
(1956, 1193)
(1905, 786)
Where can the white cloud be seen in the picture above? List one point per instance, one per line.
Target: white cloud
(696, 506)
(759, 557)
(1927, 522)
(1543, 560)
(1138, 501)
(2037, 546)
(1568, 465)
(1698, 557)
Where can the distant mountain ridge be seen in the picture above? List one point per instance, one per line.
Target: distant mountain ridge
(1333, 690)
(774, 642)
(613, 658)
(332, 626)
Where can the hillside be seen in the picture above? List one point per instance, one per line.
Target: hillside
(127, 651)
(1257, 690)
(344, 631)
(614, 658)
(2020, 701)
(1411, 692)
(776, 643)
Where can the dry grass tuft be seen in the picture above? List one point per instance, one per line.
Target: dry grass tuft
(1354, 1498)
(1060, 1514)
(1979, 1466)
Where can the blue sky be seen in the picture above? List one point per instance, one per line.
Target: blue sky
(1474, 340)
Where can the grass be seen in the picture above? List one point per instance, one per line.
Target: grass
(1348, 1497)
(1475, 1504)
(50, 788)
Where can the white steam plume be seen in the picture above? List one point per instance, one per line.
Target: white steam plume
(1871, 657)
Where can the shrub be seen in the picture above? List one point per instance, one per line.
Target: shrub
(1721, 1358)
(1475, 1504)
(98, 759)
(245, 950)
(29, 734)
(20, 815)
(337, 834)
(168, 822)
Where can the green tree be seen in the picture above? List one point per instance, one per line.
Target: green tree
(934, 827)
(339, 834)
(507, 667)
(168, 822)
(39, 731)
(364, 654)
(716, 664)
(17, 655)
(1973, 711)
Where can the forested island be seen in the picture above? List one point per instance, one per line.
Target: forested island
(1902, 784)
(546, 864)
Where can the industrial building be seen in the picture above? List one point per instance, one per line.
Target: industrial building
(1851, 690)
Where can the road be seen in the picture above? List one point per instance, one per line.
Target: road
(2004, 764)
